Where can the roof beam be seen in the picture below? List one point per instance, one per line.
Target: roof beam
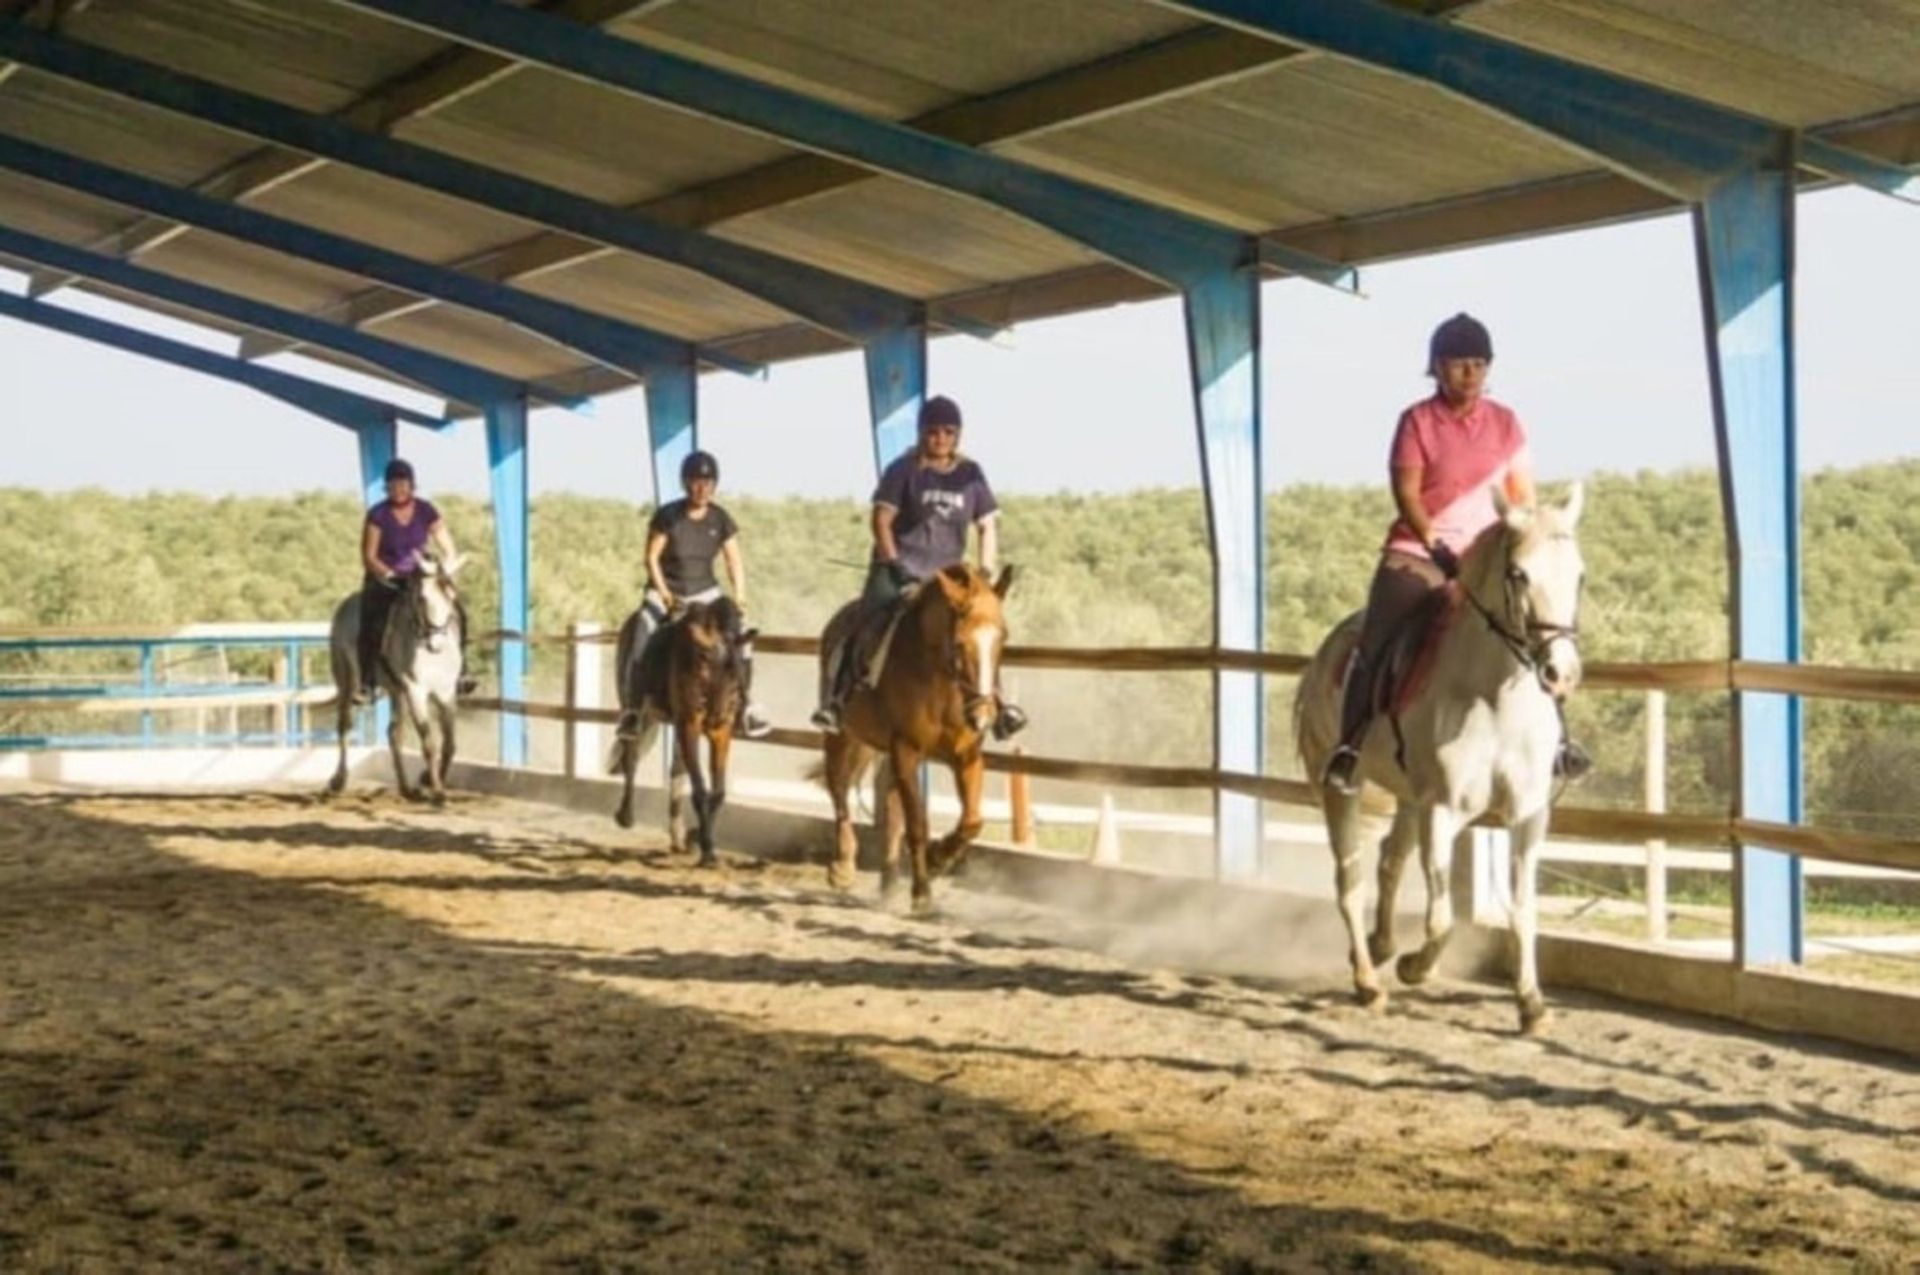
(1170, 246)
(342, 407)
(438, 82)
(1191, 61)
(839, 304)
(624, 346)
(1678, 144)
(449, 378)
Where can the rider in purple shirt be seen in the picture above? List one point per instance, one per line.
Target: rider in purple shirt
(397, 531)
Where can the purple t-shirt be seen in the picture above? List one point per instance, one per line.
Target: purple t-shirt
(400, 544)
(935, 510)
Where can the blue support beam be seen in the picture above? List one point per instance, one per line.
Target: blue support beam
(616, 343)
(673, 426)
(507, 460)
(342, 407)
(842, 305)
(1667, 140)
(1744, 239)
(449, 378)
(1173, 247)
(1223, 336)
(896, 387)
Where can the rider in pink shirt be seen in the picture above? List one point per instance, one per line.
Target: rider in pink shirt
(1449, 452)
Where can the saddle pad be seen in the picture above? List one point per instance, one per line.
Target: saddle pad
(1409, 656)
(877, 661)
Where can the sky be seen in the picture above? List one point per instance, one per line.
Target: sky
(1597, 341)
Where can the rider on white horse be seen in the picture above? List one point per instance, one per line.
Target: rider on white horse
(1450, 451)
(684, 539)
(397, 531)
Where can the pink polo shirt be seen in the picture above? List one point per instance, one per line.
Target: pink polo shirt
(1461, 459)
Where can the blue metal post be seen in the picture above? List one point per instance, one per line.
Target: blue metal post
(296, 678)
(1744, 238)
(896, 387)
(146, 690)
(379, 443)
(673, 425)
(1223, 344)
(507, 457)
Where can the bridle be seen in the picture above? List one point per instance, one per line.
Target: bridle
(1525, 635)
(416, 601)
(970, 696)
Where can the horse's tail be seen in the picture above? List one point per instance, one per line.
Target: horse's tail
(633, 740)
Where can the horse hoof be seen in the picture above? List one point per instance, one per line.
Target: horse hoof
(1373, 999)
(923, 904)
(839, 879)
(1380, 949)
(1535, 1017)
(1411, 970)
(708, 860)
(623, 817)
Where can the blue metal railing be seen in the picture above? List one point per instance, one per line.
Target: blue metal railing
(28, 691)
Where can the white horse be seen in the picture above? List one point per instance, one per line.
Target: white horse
(1480, 738)
(420, 671)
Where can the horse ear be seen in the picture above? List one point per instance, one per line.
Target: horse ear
(955, 583)
(1005, 581)
(452, 565)
(1576, 501)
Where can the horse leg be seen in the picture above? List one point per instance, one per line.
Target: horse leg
(719, 744)
(1526, 837)
(842, 757)
(426, 723)
(677, 791)
(343, 727)
(396, 724)
(906, 785)
(967, 777)
(893, 832)
(1395, 849)
(446, 743)
(1438, 827)
(1343, 833)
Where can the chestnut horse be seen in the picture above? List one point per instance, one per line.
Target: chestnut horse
(934, 698)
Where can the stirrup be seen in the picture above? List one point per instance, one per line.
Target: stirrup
(466, 686)
(1010, 721)
(753, 724)
(1342, 769)
(826, 718)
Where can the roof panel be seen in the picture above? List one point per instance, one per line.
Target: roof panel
(1310, 139)
(54, 212)
(392, 214)
(656, 295)
(477, 338)
(1789, 62)
(114, 131)
(219, 262)
(904, 56)
(910, 238)
(314, 55)
(615, 148)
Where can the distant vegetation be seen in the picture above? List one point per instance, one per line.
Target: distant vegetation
(1099, 570)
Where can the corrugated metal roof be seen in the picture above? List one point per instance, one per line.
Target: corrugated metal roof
(1344, 160)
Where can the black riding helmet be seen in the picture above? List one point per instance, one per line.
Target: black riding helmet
(939, 410)
(1461, 337)
(699, 465)
(399, 469)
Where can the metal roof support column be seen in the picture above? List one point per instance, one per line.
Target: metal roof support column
(1223, 345)
(673, 425)
(507, 459)
(1744, 239)
(379, 443)
(896, 388)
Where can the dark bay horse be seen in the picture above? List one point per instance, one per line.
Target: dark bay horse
(693, 678)
(419, 669)
(934, 698)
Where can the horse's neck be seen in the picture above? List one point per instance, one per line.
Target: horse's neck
(1473, 659)
(921, 641)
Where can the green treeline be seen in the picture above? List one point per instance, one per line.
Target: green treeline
(1128, 569)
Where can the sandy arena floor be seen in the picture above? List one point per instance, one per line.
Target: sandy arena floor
(259, 1033)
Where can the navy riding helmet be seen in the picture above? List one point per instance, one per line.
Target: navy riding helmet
(399, 469)
(1461, 337)
(699, 465)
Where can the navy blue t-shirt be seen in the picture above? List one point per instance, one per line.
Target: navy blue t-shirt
(935, 510)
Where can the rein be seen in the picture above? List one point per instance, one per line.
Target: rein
(1530, 656)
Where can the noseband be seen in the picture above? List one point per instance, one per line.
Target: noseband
(1529, 645)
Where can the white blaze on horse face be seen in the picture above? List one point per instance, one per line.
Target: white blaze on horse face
(986, 641)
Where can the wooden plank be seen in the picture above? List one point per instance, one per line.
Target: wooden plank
(272, 631)
(124, 704)
(1897, 686)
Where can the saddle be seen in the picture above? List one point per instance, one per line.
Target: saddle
(871, 637)
(1401, 672)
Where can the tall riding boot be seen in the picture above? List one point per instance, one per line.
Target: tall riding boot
(1342, 772)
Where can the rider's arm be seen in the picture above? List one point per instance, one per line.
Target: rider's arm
(736, 570)
(989, 543)
(442, 540)
(1406, 496)
(370, 552)
(656, 574)
(883, 516)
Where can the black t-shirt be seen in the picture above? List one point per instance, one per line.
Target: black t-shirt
(692, 545)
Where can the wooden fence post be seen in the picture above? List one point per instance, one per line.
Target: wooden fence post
(1656, 794)
(1020, 798)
